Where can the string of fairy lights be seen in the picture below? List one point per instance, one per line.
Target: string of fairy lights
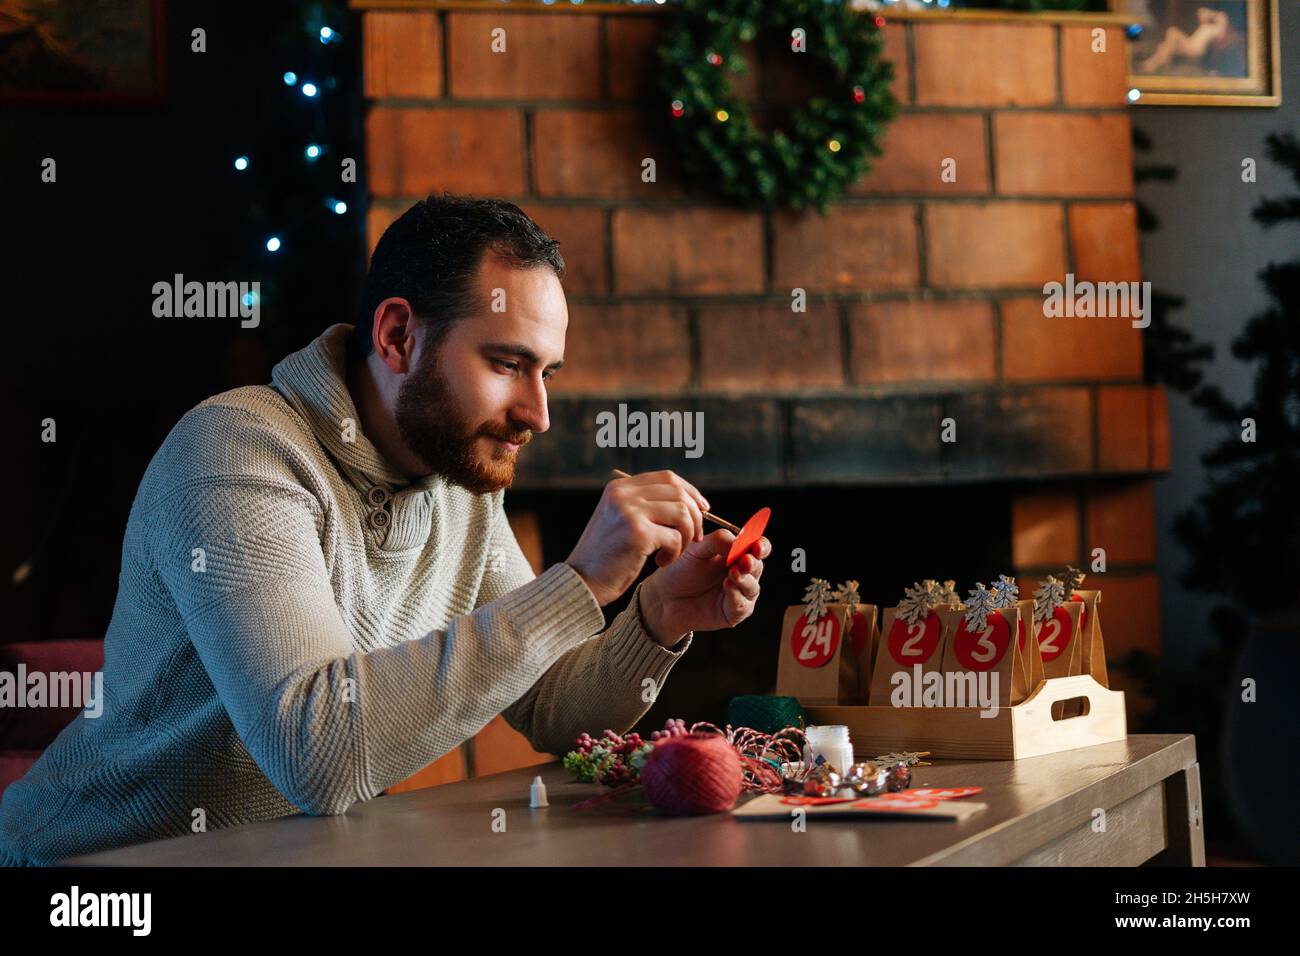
(310, 88)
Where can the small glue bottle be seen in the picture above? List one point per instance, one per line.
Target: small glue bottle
(831, 743)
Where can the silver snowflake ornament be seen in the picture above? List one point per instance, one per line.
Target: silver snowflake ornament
(1007, 591)
(817, 595)
(918, 601)
(980, 604)
(1071, 580)
(1047, 598)
(847, 593)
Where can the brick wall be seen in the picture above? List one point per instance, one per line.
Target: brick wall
(924, 297)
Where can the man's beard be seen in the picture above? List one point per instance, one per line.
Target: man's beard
(432, 427)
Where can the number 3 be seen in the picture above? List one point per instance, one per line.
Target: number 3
(985, 644)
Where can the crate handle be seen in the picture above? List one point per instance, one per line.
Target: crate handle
(1056, 690)
(1084, 707)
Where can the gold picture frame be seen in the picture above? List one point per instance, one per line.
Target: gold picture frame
(1204, 52)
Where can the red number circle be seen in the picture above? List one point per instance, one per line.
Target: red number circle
(1052, 642)
(973, 650)
(814, 646)
(859, 631)
(909, 644)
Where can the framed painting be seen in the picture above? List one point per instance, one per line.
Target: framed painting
(82, 51)
(1204, 52)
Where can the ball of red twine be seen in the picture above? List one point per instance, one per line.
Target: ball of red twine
(691, 774)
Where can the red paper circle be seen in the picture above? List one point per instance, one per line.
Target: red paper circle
(913, 643)
(749, 535)
(983, 651)
(859, 631)
(814, 646)
(1054, 635)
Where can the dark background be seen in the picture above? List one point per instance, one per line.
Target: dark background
(144, 192)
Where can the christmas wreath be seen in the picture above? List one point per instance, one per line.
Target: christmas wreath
(831, 138)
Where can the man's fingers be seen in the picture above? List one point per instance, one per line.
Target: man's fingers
(747, 585)
(674, 514)
(666, 538)
(689, 488)
(748, 564)
(669, 492)
(671, 478)
(720, 541)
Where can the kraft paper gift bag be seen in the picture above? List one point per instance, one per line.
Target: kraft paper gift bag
(1092, 647)
(1027, 646)
(824, 661)
(990, 650)
(1060, 645)
(1058, 642)
(905, 645)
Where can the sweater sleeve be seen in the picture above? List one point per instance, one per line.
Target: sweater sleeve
(609, 681)
(240, 556)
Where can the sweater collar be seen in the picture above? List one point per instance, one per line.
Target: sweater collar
(314, 381)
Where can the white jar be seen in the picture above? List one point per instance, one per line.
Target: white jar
(831, 743)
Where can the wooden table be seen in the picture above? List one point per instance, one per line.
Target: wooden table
(1041, 811)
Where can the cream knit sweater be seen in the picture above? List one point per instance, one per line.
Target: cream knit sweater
(298, 627)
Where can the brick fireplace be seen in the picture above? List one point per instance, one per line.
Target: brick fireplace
(924, 302)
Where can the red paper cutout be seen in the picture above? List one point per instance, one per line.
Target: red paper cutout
(983, 651)
(941, 793)
(913, 643)
(813, 645)
(1055, 634)
(859, 631)
(749, 535)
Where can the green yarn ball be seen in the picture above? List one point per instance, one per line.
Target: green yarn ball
(766, 714)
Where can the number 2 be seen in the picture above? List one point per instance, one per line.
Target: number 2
(909, 648)
(1048, 643)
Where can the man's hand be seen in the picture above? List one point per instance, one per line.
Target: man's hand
(657, 512)
(697, 592)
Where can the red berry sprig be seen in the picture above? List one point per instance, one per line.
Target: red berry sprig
(675, 727)
(616, 759)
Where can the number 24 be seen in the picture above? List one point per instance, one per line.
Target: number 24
(814, 635)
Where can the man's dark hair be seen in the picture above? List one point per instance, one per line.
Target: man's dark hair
(431, 254)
